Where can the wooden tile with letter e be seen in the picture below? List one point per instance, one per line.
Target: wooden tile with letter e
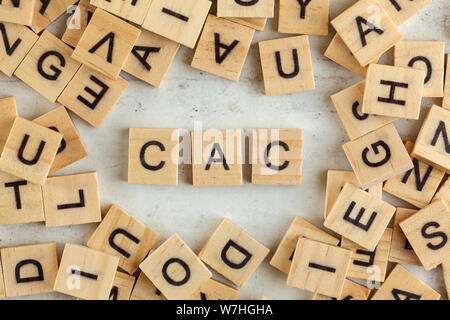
(444, 192)
(214, 290)
(254, 23)
(401, 10)
(47, 11)
(233, 253)
(401, 250)
(144, 289)
(286, 65)
(131, 10)
(446, 99)
(77, 23)
(8, 110)
(350, 291)
(16, 11)
(122, 286)
(246, 8)
(319, 267)
(304, 17)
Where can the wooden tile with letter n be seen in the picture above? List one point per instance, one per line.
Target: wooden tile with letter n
(319, 267)
(365, 38)
(130, 10)
(214, 290)
(175, 269)
(48, 67)
(401, 250)
(122, 286)
(47, 11)
(29, 270)
(8, 110)
(106, 49)
(122, 235)
(233, 253)
(444, 192)
(277, 156)
(446, 99)
(359, 216)
(77, 23)
(71, 199)
(144, 289)
(86, 273)
(286, 65)
(401, 10)
(403, 285)
(304, 17)
(16, 11)
(377, 156)
(350, 291)
(29, 151)
(246, 8)
(222, 48)
(91, 95)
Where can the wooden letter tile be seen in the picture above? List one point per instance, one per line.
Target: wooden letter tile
(254, 23)
(446, 99)
(350, 291)
(144, 289)
(131, 10)
(122, 286)
(45, 12)
(8, 110)
(304, 17)
(20, 12)
(401, 10)
(78, 22)
(246, 9)
(214, 290)
(444, 192)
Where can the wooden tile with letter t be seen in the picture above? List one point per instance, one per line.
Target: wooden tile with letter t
(446, 99)
(77, 23)
(8, 110)
(359, 217)
(350, 291)
(366, 39)
(304, 17)
(246, 8)
(377, 156)
(47, 11)
(401, 10)
(71, 199)
(175, 269)
(29, 151)
(86, 273)
(214, 290)
(16, 11)
(286, 65)
(29, 270)
(130, 10)
(319, 267)
(106, 49)
(233, 253)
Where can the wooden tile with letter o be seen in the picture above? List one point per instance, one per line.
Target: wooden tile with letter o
(20, 12)
(8, 110)
(254, 23)
(47, 11)
(246, 8)
(304, 17)
(131, 10)
(401, 10)
(350, 291)
(78, 22)
(446, 99)
(144, 289)
(214, 290)
(286, 65)
(444, 192)
(122, 286)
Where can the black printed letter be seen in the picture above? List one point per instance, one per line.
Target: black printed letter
(375, 147)
(8, 47)
(358, 218)
(427, 64)
(116, 247)
(143, 58)
(183, 264)
(57, 72)
(233, 265)
(142, 155)
(434, 235)
(371, 27)
(221, 160)
(37, 156)
(280, 66)
(266, 155)
(420, 183)
(218, 46)
(441, 129)
(109, 37)
(98, 96)
(37, 264)
(16, 186)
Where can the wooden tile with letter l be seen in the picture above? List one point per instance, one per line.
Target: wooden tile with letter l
(366, 39)
(428, 233)
(77, 23)
(214, 290)
(286, 65)
(401, 10)
(122, 286)
(177, 20)
(16, 11)
(233, 253)
(106, 49)
(92, 95)
(319, 267)
(401, 250)
(144, 289)
(86, 273)
(71, 200)
(304, 17)
(47, 11)
(350, 291)
(29, 151)
(153, 156)
(277, 156)
(122, 235)
(255, 23)
(299, 228)
(130, 10)
(8, 110)
(175, 269)
(151, 58)
(377, 156)
(359, 217)
(446, 275)
(444, 192)
(403, 285)
(246, 8)
(29, 270)
(446, 99)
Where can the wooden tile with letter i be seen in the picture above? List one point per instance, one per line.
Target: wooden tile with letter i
(214, 290)
(77, 23)
(144, 289)
(401, 10)
(444, 192)
(122, 286)
(130, 10)
(319, 267)
(8, 110)
(350, 291)
(233, 253)
(246, 8)
(446, 99)
(16, 11)
(286, 65)
(401, 250)
(47, 11)
(304, 17)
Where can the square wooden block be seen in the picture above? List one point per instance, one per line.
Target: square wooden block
(144, 289)
(299, 228)
(348, 104)
(233, 253)
(350, 291)
(120, 234)
(446, 99)
(254, 23)
(91, 95)
(319, 267)
(151, 58)
(20, 12)
(130, 10)
(175, 269)
(401, 10)
(222, 48)
(48, 67)
(286, 65)
(8, 110)
(47, 11)
(359, 216)
(427, 231)
(77, 23)
(29, 151)
(214, 290)
(86, 273)
(71, 200)
(377, 156)
(106, 49)
(304, 17)
(17, 42)
(277, 156)
(246, 9)
(444, 192)
(177, 20)
(367, 39)
(122, 286)
(153, 156)
(401, 250)
(29, 270)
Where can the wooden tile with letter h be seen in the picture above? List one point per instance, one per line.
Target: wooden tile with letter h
(71, 200)
(175, 269)
(16, 11)
(122, 286)
(8, 110)
(233, 253)
(277, 156)
(29, 270)
(304, 17)
(144, 289)
(153, 156)
(47, 11)
(86, 273)
(29, 151)
(444, 192)
(446, 99)
(286, 65)
(359, 216)
(214, 290)
(78, 22)
(377, 156)
(48, 67)
(246, 8)
(401, 10)
(365, 38)
(122, 235)
(319, 267)
(130, 10)
(350, 291)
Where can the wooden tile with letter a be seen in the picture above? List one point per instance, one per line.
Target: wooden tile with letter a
(8, 110)
(246, 8)
(401, 10)
(77, 23)
(446, 99)
(214, 290)
(401, 250)
(350, 291)
(16, 11)
(304, 17)
(130, 10)
(47, 11)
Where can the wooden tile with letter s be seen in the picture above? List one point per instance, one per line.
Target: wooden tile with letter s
(47, 11)
(350, 291)
(304, 17)
(8, 110)
(144, 289)
(16, 11)
(77, 23)
(130, 10)
(446, 99)
(246, 8)
(444, 192)
(214, 290)
(122, 286)
(401, 10)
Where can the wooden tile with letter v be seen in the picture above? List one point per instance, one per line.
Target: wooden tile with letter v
(214, 290)
(246, 8)
(304, 17)
(130, 10)
(350, 291)
(446, 99)
(47, 11)
(122, 286)
(401, 10)
(444, 192)
(16, 11)
(8, 110)
(77, 23)
(144, 289)
(233, 253)
(401, 250)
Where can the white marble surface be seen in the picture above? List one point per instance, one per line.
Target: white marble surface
(188, 95)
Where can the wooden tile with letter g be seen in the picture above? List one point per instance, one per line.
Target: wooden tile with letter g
(214, 290)
(246, 8)
(350, 291)
(144, 289)
(446, 99)
(122, 286)
(130, 10)
(401, 10)
(47, 11)
(77, 23)
(20, 12)
(304, 17)
(8, 110)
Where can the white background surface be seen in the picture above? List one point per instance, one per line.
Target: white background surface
(187, 95)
